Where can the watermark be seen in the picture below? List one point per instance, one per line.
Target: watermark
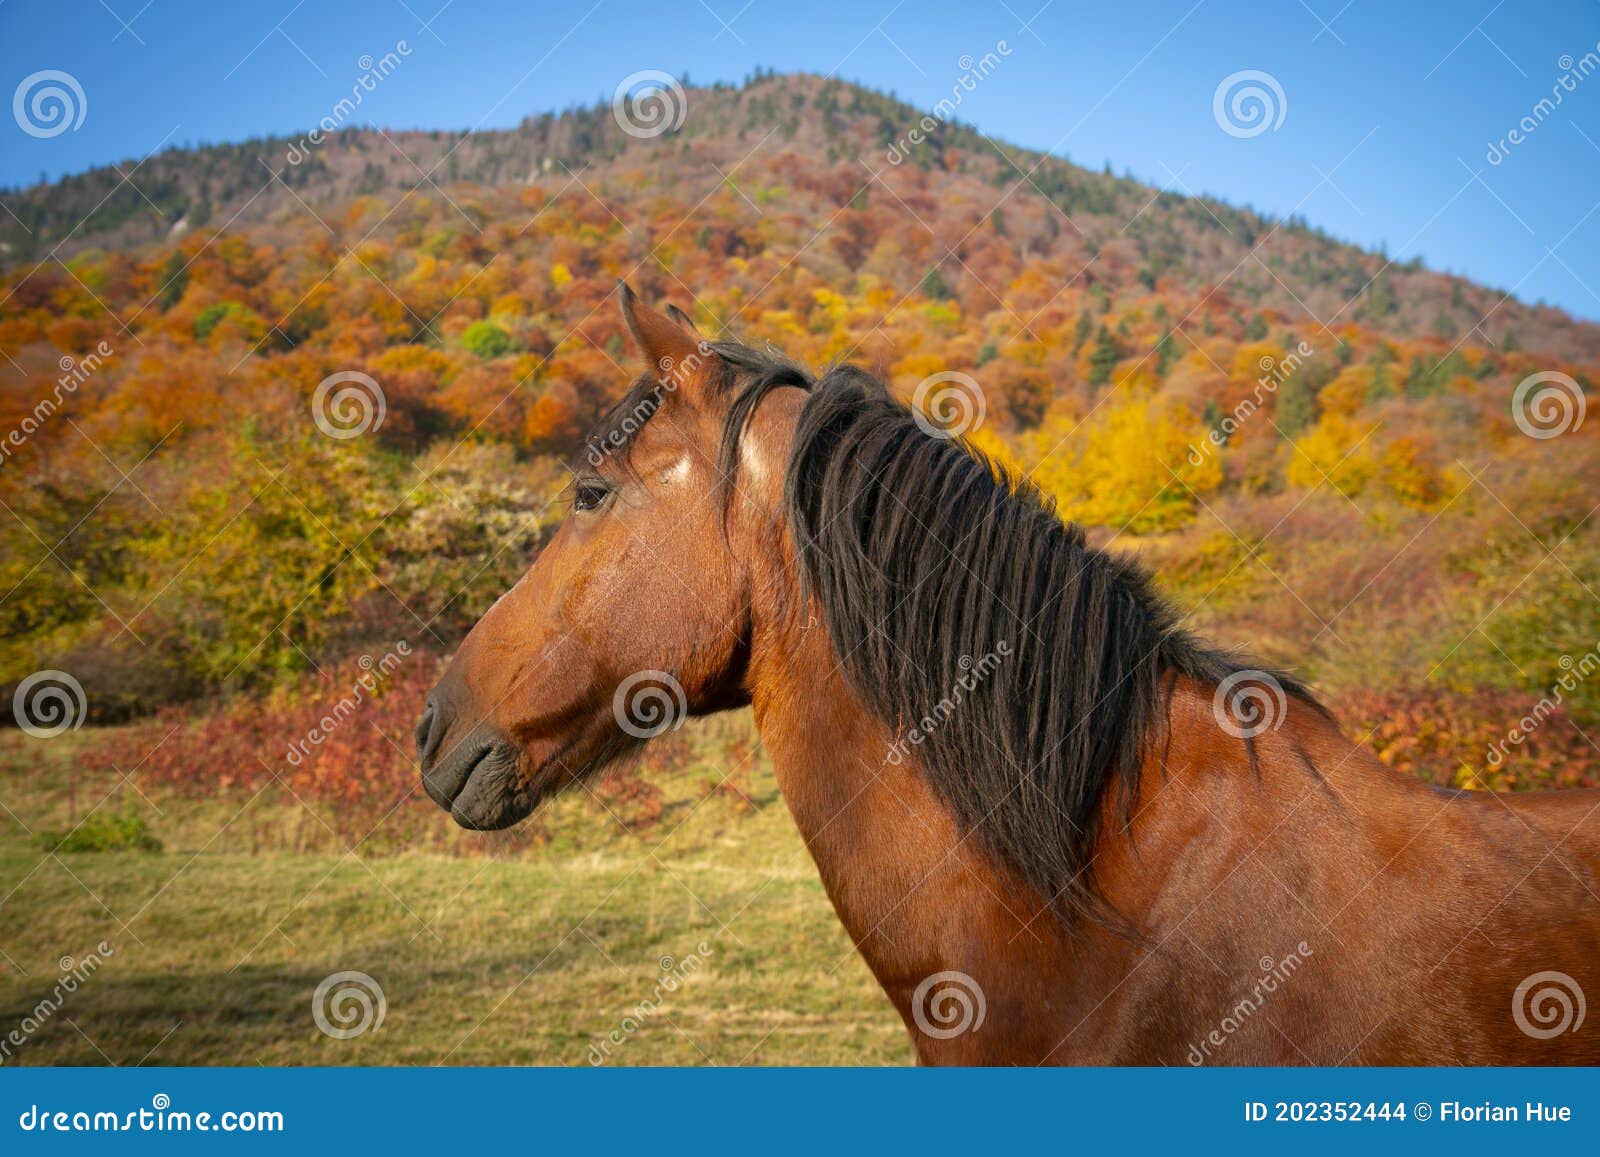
(974, 672)
(1248, 103)
(948, 404)
(1573, 73)
(374, 675)
(1248, 703)
(1573, 673)
(74, 972)
(348, 1004)
(647, 703)
(947, 1004)
(49, 703)
(1274, 372)
(649, 103)
(674, 974)
(973, 73)
(348, 404)
(1274, 974)
(160, 1117)
(671, 373)
(1548, 1004)
(1548, 404)
(48, 103)
(74, 372)
(373, 73)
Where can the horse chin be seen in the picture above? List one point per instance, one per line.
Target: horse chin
(508, 784)
(495, 795)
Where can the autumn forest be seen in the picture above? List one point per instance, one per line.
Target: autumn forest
(1317, 449)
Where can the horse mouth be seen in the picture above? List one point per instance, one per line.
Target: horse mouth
(480, 786)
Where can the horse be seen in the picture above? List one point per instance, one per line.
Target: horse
(1060, 828)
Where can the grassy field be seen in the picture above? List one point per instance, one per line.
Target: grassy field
(524, 951)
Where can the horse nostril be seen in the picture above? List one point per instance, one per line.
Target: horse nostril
(428, 731)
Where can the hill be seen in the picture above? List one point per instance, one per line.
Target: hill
(1332, 458)
(1128, 234)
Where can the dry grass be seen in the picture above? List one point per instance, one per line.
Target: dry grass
(525, 955)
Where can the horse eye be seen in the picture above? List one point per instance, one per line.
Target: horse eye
(590, 496)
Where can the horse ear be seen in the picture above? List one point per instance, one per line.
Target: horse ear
(682, 319)
(671, 349)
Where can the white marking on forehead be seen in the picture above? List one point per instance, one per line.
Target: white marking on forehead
(678, 471)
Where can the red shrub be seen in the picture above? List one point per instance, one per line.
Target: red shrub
(340, 745)
(1466, 739)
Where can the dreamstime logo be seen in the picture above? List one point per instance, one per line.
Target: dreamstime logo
(1274, 372)
(674, 975)
(373, 73)
(1548, 404)
(75, 972)
(1548, 1004)
(375, 675)
(948, 404)
(972, 674)
(1274, 974)
(74, 372)
(1248, 703)
(649, 103)
(647, 703)
(1248, 103)
(1573, 673)
(670, 374)
(348, 404)
(1573, 73)
(973, 73)
(348, 1004)
(947, 1004)
(48, 103)
(156, 1119)
(49, 703)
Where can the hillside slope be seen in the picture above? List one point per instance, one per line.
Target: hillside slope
(1118, 232)
(1337, 462)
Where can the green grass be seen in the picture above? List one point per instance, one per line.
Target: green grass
(103, 831)
(529, 952)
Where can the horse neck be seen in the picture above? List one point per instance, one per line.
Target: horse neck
(916, 897)
(919, 898)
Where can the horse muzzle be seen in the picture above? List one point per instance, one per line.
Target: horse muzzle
(476, 778)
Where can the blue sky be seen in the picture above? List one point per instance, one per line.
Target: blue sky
(1389, 108)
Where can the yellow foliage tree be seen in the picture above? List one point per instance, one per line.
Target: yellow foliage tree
(1410, 470)
(414, 358)
(1253, 361)
(1348, 392)
(1333, 451)
(1130, 466)
(915, 368)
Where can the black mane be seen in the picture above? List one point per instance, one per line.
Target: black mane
(1028, 672)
